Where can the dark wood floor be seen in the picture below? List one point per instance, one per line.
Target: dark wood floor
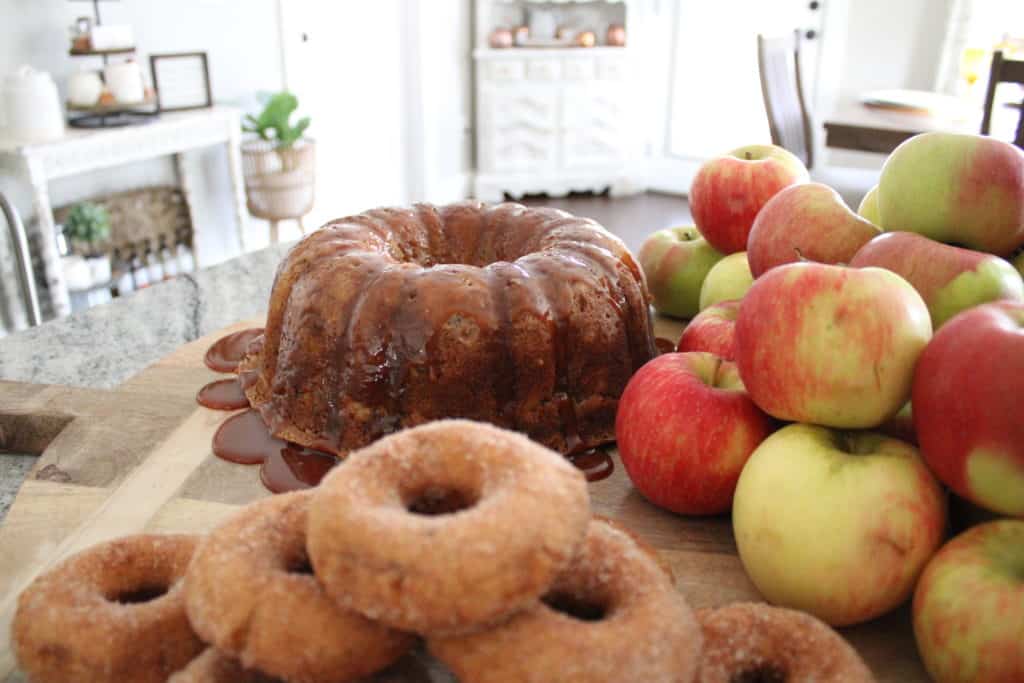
(631, 218)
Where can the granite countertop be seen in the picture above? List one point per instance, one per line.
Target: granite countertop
(105, 345)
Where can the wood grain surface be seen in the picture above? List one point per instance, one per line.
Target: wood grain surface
(138, 459)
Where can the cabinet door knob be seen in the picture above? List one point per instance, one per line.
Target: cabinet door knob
(810, 34)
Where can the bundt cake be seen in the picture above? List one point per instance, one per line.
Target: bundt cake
(529, 318)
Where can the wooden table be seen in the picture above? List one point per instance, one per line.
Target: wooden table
(83, 150)
(856, 126)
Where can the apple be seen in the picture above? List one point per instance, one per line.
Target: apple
(868, 208)
(806, 222)
(839, 524)
(713, 330)
(969, 606)
(952, 187)
(969, 405)
(949, 279)
(675, 262)
(684, 428)
(729, 190)
(901, 425)
(728, 280)
(830, 345)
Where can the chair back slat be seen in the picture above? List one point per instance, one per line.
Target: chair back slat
(1003, 71)
(788, 120)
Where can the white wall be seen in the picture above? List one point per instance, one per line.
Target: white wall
(242, 42)
(873, 45)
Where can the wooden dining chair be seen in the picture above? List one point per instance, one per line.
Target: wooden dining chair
(1003, 71)
(778, 60)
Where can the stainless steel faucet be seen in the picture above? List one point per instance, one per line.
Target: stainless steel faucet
(26, 277)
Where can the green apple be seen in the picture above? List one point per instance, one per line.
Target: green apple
(951, 187)
(728, 280)
(868, 208)
(969, 606)
(675, 262)
(836, 523)
(949, 279)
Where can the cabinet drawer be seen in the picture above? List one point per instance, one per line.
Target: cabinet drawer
(591, 147)
(579, 69)
(543, 69)
(520, 150)
(593, 105)
(611, 69)
(505, 70)
(511, 107)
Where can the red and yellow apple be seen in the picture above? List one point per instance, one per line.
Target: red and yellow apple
(806, 222)
(949, 279)
(729, 190)
(969, 405)
(728, 280)
(969, 606)
(684, 428)
(675, 262)
(838, 524)
(957, 188)
(713, 330)
(868, 209)
(830, 345)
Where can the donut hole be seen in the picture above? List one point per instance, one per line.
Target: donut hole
(299, 565)
(138, 595)
(763, 673)
(433, 501)
(577, 607)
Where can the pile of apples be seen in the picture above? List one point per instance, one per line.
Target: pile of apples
(840, 371)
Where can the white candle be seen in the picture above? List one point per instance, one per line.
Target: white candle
(124, 80)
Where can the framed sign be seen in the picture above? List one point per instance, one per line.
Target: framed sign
(181, 81)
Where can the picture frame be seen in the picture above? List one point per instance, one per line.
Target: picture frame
(181, 80)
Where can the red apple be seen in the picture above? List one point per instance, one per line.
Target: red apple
(830, 345)
(969, 405)
(685, 427)
(949, 279)
(807, 221)
(712, 331)
(729, 190)
(969, 606)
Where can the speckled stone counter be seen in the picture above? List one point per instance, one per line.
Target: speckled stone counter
(105, 345)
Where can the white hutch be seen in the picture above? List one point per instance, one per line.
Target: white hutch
(553, 119)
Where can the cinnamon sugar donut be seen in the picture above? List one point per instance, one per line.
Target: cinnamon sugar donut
(641, 543)
(215, 667)
(758, 642)
(447, 526)
(249, 593)
(612, 616)
(112, 613)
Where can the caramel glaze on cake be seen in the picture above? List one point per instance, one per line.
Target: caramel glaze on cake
(529, 318)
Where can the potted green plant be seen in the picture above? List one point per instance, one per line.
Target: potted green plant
(278, 163)
(86, 227)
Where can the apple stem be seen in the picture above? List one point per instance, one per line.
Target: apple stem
(748, 156)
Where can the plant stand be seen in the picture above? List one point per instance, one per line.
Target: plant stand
(279, 181)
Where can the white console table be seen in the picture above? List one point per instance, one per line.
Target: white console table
(84, 150)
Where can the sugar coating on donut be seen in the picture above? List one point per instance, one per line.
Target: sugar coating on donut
(113, 612)
(611, 616)
(751, 642)
(250, 593)
(523, 513)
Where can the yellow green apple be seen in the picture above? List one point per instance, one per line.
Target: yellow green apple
(830, 345)
(949, 279)
(728, 280)
(868, 208)
(956, 188)
(675, 262)
(839, 524)
(969, 606)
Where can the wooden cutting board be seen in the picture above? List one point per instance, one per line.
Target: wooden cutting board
(138, 459)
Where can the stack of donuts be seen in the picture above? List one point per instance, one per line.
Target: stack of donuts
(472, 538)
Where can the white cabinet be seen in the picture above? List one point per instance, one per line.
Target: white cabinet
(553, 121)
